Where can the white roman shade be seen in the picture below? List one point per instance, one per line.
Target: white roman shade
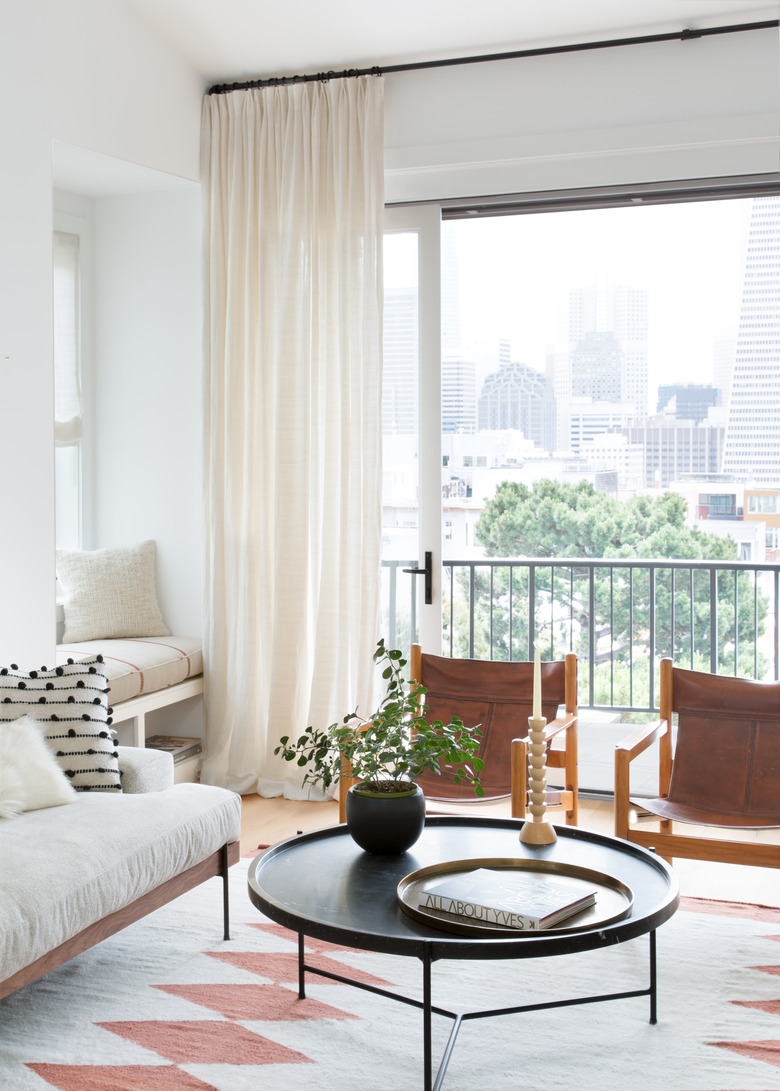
(67, 385)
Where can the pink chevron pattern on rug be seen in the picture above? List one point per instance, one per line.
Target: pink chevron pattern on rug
(216, 1042)
(118, 1078)
(166, 1006)
(767, 1052)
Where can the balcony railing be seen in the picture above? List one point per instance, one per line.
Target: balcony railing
(619, 616)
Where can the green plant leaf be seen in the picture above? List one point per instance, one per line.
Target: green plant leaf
(394, 741)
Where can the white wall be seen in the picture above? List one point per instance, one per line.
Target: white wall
(91, 74)
(692, 109)
(141, 264)
(146, 411)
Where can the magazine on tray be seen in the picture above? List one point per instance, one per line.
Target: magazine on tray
(525, 900)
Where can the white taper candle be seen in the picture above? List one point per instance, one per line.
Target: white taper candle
(537, 704)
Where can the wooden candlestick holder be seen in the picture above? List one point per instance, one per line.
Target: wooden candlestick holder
(537, 830)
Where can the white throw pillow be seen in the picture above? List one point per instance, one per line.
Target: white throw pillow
(71, 704)
(30, 777)
(109, 593)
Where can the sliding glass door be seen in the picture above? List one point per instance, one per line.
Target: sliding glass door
(411, 517)
(620, 358)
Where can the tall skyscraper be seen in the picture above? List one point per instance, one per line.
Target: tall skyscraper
(597, 368)
(401, 358)
(614, 321)
(629, 318)
(518, 398)
(752, 445)
(451, 337)
(458, 395)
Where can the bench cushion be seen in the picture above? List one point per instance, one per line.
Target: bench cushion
(142, 665)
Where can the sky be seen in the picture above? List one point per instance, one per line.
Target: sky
(514, 271)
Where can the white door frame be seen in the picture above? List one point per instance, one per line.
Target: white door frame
(425, 221)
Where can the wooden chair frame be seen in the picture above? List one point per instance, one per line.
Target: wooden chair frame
(215, 864)
(565, 758)
(665, 841)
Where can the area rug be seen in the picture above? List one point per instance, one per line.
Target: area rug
(167, 1005)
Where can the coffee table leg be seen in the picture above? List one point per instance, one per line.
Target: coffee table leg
(301, 975)
(653, 979)
(427, 1042)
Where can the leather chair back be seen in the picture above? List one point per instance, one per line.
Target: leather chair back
(727, 753)
(496, 695)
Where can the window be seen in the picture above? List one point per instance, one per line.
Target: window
(624, 341)
(634, 344)
(67, 388)
(762, 505)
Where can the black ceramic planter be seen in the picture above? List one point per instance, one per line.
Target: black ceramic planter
(385, 823)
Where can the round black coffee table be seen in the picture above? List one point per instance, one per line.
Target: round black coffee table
(323, 885)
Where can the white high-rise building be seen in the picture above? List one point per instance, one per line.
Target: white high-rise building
(401, 361)
(629, 317)
(588, 418)
(451, 338)
(458, 395)
(615, 319)
(752, 444)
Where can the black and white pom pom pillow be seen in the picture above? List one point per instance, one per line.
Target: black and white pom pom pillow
(71, 703)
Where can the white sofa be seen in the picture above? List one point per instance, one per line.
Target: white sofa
(72, 875)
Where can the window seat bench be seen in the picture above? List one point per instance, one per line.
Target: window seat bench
(144, 673)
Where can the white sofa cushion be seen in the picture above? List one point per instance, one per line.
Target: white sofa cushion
(58, 877)
(145, 770)
(141, 665)
(110, 593)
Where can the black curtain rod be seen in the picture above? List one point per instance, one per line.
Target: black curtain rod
(351, 73)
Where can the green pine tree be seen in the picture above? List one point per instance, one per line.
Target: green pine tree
(574, 521)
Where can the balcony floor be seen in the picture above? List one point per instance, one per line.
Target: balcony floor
(597, 738)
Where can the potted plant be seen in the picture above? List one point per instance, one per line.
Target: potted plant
(385, 753)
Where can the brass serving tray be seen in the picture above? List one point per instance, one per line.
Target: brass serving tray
(614, 898)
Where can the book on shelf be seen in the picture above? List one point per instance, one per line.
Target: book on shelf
(507, 898)
(180, 746)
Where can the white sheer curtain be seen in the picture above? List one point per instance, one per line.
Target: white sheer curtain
(293, 178)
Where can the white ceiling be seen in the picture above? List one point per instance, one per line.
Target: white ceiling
(232, 40)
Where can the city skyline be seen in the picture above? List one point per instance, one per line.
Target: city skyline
(514, 272)
(607, 315)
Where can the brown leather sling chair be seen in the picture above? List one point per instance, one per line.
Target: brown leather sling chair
(722, 772)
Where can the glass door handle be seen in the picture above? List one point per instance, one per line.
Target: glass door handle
(427, 571)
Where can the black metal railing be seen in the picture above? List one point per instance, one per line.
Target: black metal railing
(619, 616)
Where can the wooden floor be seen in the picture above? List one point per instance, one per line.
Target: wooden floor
(266, 821)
